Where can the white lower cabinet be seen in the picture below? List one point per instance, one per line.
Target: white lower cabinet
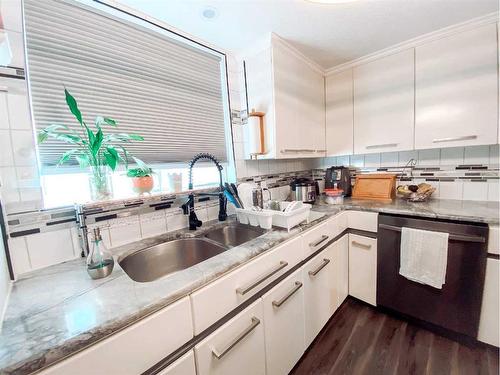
(325, 286)
(235, 348)
(488, 324)
(363, 268)
(183, 366)
(284, 324)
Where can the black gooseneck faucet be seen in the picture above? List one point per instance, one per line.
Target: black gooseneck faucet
(188, 207)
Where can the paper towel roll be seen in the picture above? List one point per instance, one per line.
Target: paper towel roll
(253, 135)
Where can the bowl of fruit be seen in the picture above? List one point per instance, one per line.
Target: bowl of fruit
(415, 193)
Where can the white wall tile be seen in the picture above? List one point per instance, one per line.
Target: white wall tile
(428, 157)
(389, 159)
(4, 117)
(252, 168)
(8, 185)
(19, 255)
(19, 115)
(450, 189)
(372, 160)
(153, 224)
(201, 213)
(75, 239)
(123, 231)
(452, 156)
(50, 248)
(6, 159)
(23, 145)
(494, 155)
(176, 221)
(405, 156)
(357, 161)
(33, 194)
(274, 166)
(493, 190)
(213, 212)
(241, 169)
(477, 155)
(238, 133)
(239, 151)
(263, 167)
(475, 191)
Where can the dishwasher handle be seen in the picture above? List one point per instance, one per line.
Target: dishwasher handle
(454, 237)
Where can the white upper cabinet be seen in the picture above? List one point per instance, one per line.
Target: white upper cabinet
(456, 90)
(339, 114)
(290, 91)
(384, 104)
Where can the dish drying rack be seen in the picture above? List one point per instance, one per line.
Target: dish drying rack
(266, 219)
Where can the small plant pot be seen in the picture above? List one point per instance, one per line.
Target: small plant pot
(143, 185)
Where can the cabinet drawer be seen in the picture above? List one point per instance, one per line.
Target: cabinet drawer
(338, 223)
(183, 366)
(494, 239)
(212, 302)
(235, 348)
(284, 324)
(363, 268)
(316, 238)
(361, 220)
(488, 323)
(136, 348)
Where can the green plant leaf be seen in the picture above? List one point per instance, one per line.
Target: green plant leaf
(73, 106)
(67, 155)
(113, 151)
(42, 137)
(110, 121)
(96, 145)
(111, 159)
(83, 160)
(68, 138)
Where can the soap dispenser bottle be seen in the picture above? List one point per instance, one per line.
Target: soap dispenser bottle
(100, 262)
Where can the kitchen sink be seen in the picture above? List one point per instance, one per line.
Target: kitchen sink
(234, 234)
(160, 260)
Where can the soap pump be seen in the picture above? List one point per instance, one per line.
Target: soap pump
(100, 262)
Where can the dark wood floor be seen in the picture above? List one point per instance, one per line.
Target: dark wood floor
(361, 340)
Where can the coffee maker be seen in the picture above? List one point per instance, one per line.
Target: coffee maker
(338, 178)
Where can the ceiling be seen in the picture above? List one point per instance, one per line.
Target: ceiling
(330, 34)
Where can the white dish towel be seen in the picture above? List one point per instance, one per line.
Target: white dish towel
(424, 256)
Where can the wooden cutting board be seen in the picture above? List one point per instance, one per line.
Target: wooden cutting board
(380, 186)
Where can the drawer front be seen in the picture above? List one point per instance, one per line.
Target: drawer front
(136, 348)
(231, 290)
(363, 268)
(235, 348)
(320, 291)
(494, 239)
(284, 324)
(361, 220)
(316, 238)
(489, 320)
(183, 366)
(338, 223)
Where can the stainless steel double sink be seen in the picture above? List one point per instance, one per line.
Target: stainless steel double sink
(165, 258)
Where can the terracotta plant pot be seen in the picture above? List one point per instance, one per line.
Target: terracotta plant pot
(143, 184)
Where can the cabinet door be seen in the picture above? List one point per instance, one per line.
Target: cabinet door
(341, 268)
(299, 105)
(489, 321)
(363, 268)
(183, 366)
(321, 290)
(235, 348)
(384, 104)
(456, 90)
(284, 324)
(339, 114)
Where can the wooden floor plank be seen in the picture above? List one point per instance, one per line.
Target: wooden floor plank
(361, 340)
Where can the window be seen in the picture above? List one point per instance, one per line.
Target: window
(155, 83)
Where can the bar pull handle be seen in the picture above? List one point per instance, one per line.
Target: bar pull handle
(384, 145)
(297, 150)
(320, 267)
(453, 139)
(280, 302)
(246, 289)
(320, 241)
(361, 245)
(454, 237)
(219, 354)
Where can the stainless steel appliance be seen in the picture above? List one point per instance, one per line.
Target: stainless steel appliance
(304, 189)
(338, 178)
(455, 307)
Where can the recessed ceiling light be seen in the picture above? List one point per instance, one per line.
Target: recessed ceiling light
(209, 13)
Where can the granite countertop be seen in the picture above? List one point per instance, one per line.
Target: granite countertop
(56, 311)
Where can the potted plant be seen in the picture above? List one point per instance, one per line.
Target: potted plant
(92, 148)
(142, 177)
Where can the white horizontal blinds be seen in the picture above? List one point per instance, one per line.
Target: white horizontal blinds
(168, 92)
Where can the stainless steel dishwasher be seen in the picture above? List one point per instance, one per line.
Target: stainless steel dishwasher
(457, 305)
